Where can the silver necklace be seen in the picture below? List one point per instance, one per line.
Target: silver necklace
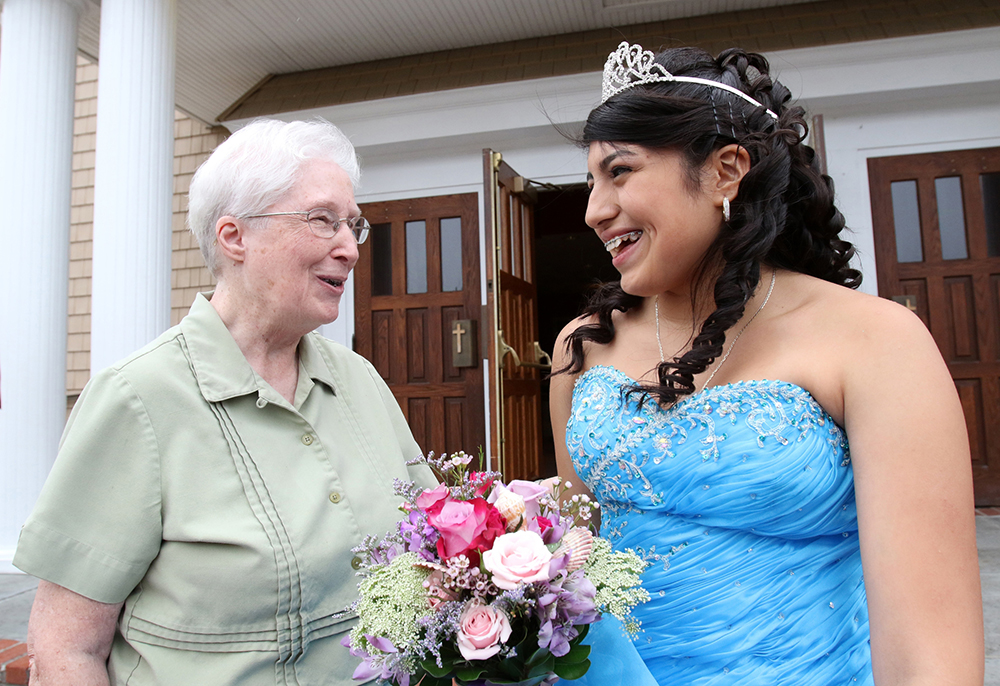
(656, 312)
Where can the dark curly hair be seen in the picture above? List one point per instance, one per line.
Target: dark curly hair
(783, 216)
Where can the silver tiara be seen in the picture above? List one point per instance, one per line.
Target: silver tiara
(630, 66)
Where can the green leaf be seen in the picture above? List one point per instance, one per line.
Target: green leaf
(534, 681)
(518, 635)
(538, 656)
(469, 673)
(573, 670)
(511, 668)
(577, 653)
(545, 667)
(430, 666)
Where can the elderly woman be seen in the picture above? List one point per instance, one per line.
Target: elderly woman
(198, 522)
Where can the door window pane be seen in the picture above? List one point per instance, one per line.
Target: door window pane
(451, 254)
(381, 242)
(416, 256)
(906, 217)
(990, 185)
(951, 217)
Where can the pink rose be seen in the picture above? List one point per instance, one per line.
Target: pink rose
(520, 557)
(483, 629)
(466, 526)
(432, 500)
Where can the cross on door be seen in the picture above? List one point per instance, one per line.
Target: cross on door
(458, 332)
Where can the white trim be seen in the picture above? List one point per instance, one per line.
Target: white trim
(516, 105)
(883, 69)
(888, 68)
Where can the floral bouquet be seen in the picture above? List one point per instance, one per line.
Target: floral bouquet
(487, 583)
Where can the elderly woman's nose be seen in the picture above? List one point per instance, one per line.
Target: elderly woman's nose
(345, 246)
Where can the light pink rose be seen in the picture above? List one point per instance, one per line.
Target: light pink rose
(482, 632)
(516, 558)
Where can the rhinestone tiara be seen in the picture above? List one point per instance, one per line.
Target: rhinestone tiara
(630, 66)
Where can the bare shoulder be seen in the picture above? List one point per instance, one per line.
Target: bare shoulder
(561, 355)
(834, 341)
(574, 324)
(856, 324)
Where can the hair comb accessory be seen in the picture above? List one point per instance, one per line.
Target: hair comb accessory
(631, 66)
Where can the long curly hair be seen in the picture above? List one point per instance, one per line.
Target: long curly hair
(783, 216)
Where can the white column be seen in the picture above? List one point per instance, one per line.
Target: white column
(133, 178)
(37, 82)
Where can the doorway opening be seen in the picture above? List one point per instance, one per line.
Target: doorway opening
(569, 262)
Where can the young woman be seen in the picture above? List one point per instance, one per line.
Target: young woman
(789, 454)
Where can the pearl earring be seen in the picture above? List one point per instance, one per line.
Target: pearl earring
(725, 208)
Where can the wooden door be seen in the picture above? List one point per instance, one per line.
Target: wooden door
(417, 276)
(937, 246)
(516, 361)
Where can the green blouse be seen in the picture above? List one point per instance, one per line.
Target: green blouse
(221, 514)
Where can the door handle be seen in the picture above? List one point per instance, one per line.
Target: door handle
(504, 350)
(542, 359)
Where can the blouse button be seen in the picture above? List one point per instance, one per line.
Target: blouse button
(335, 497)
(307, 439)
(261, 403)
(356, 562)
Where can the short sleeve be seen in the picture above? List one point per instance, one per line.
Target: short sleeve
(420, 474)
(97, 524)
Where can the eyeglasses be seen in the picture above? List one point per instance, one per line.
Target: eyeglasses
(325, 223)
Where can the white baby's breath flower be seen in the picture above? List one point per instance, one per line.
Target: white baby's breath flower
(615, 575)
(390, 601)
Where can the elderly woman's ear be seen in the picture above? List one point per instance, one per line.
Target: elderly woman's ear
(229, 235)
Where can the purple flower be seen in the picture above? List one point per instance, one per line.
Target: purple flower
(564, 603)
(552, 533)
(418, 536)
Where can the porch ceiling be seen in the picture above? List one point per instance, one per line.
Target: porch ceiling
(226, 47)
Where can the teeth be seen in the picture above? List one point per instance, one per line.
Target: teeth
(615, 242)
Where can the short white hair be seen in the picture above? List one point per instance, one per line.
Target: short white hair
(255, 167)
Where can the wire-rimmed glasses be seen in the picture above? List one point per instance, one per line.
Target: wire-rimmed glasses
(325, 223)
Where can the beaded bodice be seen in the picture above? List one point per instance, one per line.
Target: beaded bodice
(742, 498)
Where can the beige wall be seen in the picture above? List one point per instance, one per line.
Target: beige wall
(193, 142)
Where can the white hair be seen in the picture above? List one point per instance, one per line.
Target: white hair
(256, 167)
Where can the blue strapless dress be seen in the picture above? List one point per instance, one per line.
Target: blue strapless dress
(741, 498)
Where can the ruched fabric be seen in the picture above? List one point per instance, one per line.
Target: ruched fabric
(741, 498)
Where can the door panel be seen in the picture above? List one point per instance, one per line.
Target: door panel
(404, 315)
(515, 369)
(937, 228)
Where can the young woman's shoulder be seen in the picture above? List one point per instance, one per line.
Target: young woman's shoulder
(561, 355)
(859, 320)
(574, 324)
(834, 341)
